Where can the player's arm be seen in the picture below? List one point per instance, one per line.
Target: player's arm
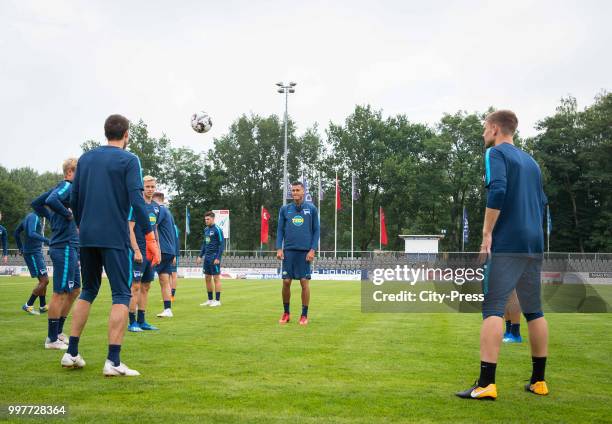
(134, 244)
(316, 233)
(17, 235)
(220, 247)
(496, 182)
(74, 198)
(139, 208)
(57, 197)
(31, 224)
(202, 249)
(38, 205)
(280, 234)
(4, 245)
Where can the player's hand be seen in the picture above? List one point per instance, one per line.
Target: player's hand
(198, 260)
(5, 259)
(138, 256)
(280, 255)
(310, 255)
(485, 248)
(216, 262)
(21, 253)
(174, 261)
(153, 254)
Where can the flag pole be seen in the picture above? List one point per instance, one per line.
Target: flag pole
(336, 219)
(260, 224)
(547, 229)
(352, 213)
(379, 228)
(319, 250)
(186, 223)
(463, 231)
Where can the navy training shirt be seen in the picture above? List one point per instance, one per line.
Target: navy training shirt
(167, 231)
(298, 227)
(514, 183)
(63, 227)
(178, 245)
(33, 240)
(153, 216)
(212, 245)
(100, 197)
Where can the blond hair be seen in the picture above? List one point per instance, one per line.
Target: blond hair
(149, 178)
(69, 164)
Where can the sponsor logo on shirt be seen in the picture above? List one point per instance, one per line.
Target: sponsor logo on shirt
(152, 219)
(297, 220)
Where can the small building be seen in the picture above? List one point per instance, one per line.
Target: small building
(421, 243)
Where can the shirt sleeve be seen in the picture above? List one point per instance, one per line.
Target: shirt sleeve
(280, 229)
(17, 235)
(38, 205)
(221, 242)
(316, 231)
(495, 178)
(74, 198)
(4, 242)
(56, 199)
(32, 224)
(203, 248)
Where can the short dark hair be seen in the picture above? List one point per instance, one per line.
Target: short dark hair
(297, 183)
(209, 213)
(115, 127)
(159, 194)
(506, 120)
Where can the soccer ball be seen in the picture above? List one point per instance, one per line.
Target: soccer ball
(201, 122)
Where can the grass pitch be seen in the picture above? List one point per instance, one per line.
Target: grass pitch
(236, 364)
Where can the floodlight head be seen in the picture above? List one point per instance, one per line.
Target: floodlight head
(291, 90)
(293, 84)
(280, 90)
(280, 84)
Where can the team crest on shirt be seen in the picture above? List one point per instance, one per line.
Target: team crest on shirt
(306, 211)
(297, 220)
(207, 239)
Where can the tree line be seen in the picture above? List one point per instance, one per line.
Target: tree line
(422, 175)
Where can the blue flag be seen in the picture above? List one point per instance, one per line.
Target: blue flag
(187, 220)
(307, 195)
(466, 227)
(548, 220)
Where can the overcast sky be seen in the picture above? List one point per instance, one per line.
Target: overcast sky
(66, 65)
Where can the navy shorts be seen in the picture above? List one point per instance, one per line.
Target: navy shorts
(210, 268)
(295, 266)
(118, 266)
(506, 272)
(66, 272)
(165, 266)
(143, 272)
(36, 264)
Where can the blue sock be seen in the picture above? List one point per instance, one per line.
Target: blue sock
(31, 300)
(52, 330)
(304, 310)
(209, 295)
(113, 354)
(167, 304)
(60, 327)
(141, 316)
(43, 302)
(286, 306)
(508, 324)
(132, 316)
(218, 296)
(515, 329)
(173, 292)
(73, 346)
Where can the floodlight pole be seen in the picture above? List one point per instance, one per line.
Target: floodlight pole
(285, 89)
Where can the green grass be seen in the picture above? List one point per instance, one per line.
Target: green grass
(236, 364)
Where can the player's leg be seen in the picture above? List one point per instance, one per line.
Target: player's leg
(41, 289)
(208, 279)
(512, 316)
(133, 306)
(117, 263)
(143, 297)
(38, 269)
(287, 275)
(304, 275)
(164, 283)
(173, 281)
(501, 277)
(529, 295)
(91, 267)
(217, 281)
(74, 285)
(62, 273)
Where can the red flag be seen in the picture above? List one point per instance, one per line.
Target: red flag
(265, 217)
(338, 203)
(383, 228)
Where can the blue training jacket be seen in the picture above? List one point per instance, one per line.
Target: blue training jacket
(298, 227)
